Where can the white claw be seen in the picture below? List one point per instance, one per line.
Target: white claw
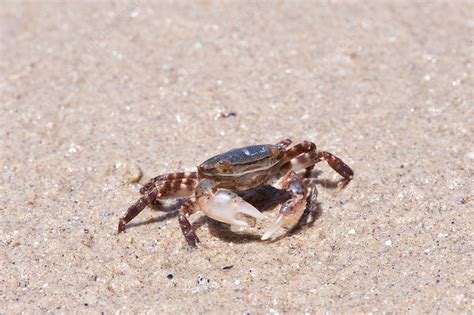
(275, 226)
(288, 220)
(224, 206)
(246, 208)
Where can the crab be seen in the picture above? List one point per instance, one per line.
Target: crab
(214, 189)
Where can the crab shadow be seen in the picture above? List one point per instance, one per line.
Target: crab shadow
(264, 198)
(171, 211)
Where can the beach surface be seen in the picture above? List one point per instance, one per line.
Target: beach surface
(98, 97)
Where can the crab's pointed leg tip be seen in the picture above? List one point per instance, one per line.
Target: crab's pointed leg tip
(340, 187)
(121, 227)
(246, 208)
(343, 184)
(275, 226)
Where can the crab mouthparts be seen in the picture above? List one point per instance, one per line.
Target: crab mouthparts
(224, 206)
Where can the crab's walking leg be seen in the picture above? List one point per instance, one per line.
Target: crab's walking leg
(223, 205)
(188, 208)
(178, 188)
(293, 208)
(312, 194)
(174, 188)
(167, 177)
(298, 149)
(311, 158)
(136, 208)
(338, 165)
(288, 161)
(305, 155)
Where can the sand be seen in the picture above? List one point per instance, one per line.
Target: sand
(97, 96)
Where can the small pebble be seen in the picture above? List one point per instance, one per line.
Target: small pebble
(169, 276)
(200, 280)
(460, 200)
(351, 231)
(134, 173)
(388, 243)
(88, 240)
(443, 235)
(105, 214)
(227, 114)
(228, 267)
(237, 282)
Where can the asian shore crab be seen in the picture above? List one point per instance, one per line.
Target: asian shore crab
(213, 188)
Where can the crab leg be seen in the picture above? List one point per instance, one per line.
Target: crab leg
(187, 209)
(167, 177)
(305, 155)
(174, 188)
(223, 205)
(309, 159)
(297, 149)
(288, 162)
(291, 211)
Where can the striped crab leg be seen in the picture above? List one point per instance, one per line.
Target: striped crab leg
(309, 159)
(188, 208)
(167, 177)
(178, 188)
(305, 155)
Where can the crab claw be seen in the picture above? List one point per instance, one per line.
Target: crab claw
(223, 206)
(275, 226)
(290, 213)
